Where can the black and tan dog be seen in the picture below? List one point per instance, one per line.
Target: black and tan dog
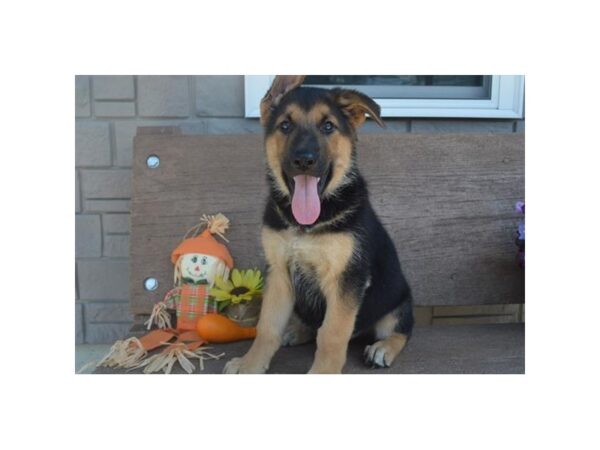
(333, 271)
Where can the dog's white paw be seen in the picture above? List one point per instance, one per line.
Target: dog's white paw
(378, 355)
(233, 366)
(239, 365)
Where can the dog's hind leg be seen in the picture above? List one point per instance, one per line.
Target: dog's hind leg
(392, 333)
(296, 332)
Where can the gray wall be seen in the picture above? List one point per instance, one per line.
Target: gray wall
(108, 109)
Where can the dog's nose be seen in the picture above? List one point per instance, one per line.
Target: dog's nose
(304, 160)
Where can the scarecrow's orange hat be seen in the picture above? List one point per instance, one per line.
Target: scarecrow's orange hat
(205, 243)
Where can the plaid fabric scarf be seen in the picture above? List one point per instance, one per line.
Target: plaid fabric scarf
(190, 302)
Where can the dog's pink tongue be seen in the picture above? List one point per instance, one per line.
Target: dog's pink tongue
(306, 205)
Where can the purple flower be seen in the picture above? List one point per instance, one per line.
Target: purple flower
(520, 207)
(522, 231)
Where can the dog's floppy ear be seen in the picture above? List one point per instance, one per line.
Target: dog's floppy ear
(282, 84)
(356, 105)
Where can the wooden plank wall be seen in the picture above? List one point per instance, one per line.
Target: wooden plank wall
(447, 200)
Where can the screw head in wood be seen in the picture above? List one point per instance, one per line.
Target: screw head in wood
(153, 161)
(150, 284)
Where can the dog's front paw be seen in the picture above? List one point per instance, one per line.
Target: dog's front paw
(239, 365)
(233, 366)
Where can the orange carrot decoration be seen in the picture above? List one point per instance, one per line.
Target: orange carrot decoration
(218, 329)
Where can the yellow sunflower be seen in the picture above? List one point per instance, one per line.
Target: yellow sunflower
(243, 286)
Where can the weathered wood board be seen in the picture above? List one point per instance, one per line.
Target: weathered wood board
(446, 199)
(442, 349)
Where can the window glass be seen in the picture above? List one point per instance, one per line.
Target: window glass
(410, 86)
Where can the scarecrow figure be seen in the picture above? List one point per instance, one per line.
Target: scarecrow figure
(199, 261)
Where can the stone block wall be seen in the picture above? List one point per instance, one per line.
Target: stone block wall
(108, 109)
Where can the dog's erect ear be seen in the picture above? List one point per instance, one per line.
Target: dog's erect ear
(282, 84)
(356, 105)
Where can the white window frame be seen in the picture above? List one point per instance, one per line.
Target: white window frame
(506, 102)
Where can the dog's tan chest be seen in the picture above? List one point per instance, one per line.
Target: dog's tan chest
(327, 254)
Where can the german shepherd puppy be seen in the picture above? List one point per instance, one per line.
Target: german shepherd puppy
(332, 269)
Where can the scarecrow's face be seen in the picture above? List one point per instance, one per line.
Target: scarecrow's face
(200, 267)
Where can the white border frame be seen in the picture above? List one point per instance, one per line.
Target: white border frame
(506, 101)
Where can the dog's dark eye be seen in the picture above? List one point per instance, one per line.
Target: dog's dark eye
(327, 127)
(285, 126)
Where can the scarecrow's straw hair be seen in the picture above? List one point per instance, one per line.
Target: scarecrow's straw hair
(177, 271)
(217, 224)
